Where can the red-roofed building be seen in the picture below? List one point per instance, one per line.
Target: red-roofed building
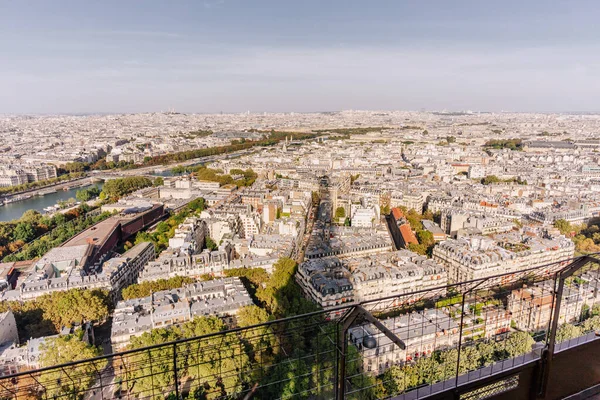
(407, 234)
(397, 213)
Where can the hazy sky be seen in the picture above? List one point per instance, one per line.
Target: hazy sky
(303, 55)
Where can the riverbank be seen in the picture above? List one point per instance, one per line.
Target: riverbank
(72, 183)
(39, 202)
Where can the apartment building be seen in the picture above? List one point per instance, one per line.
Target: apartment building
(221, 297)
(532, 306)
(480, 257)
(422, 332)
(14, 175)
(332, 281)
(63, 269)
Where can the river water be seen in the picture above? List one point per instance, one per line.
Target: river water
(14, 210)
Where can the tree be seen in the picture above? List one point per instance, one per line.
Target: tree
(252, 315)
(154, 371)
(425, 238)
(24, 231)
(115, 188)
(204, 360)
(262, 339)
(197, 205)
(587, 246)
(563, 226)
(293, 379)
(394, 380)
(512, 144)
(159, 181)
(210, 244)
(75, 305)
(591, 324)
(567, 332)
(31, 216)
(516, 344)
(340, 212)
(486, 352)
(209, 357)
(585, 312)
(87, 194)
(281, 295)
(490, 179)
(414, 219)
(75, 167)
(65, 226)
(417, 248)
(470, 359)
(316, 198)
(145, 289)
(65, 349)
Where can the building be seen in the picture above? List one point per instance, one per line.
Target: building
(326, 281)
(345, 241)
(436, 231)
(407, 236)
(8, 328)
(532, 306)
(175, 262)
(453, 220)
(364, 217)
(220, 297)
(251, 223)
(480, 257)
(400, 229)
(410, 200)
(125, 270)
(106, 235)
(62, 269)
(14, 175)
(422, 332)
(189, 235)
(331, 281)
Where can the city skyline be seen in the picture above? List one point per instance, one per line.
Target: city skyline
(229, 56)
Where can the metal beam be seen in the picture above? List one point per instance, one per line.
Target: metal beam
(345, 324)
(548, 353)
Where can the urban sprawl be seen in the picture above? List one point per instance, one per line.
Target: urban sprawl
(201, 215)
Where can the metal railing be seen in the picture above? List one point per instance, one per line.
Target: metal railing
(431, 341)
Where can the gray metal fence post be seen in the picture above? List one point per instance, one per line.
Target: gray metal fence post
(175, 371)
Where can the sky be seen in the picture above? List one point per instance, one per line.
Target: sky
(66, 57)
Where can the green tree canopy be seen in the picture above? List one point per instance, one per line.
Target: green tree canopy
(87, 194)
(210, 244)
(567, 332)
(159, 181)
(563, 226)
(62, 350)
(201, 360)
(252, 315)
(281, 295)
(24, 232)
(115, 188)
(145, 289)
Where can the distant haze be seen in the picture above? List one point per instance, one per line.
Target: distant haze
(273, 55)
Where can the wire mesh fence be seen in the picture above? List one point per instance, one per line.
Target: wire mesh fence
(431, 341)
